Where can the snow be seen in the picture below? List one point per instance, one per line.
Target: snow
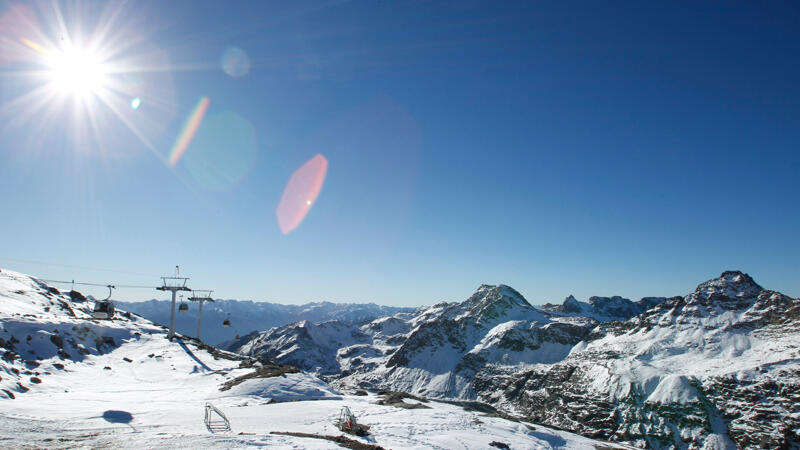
(246, 316)
(492, 352)
(288, 388)
(579, 347)
(145, 391)
(674, 389)
(180, 424)
(650, 367)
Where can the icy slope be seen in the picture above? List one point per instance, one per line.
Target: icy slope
(78, 382)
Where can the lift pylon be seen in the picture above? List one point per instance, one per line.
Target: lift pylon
(200, 296)
(173, 284)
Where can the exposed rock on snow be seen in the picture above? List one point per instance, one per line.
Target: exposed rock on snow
(716, 367)
(603, 309)
(681, 373)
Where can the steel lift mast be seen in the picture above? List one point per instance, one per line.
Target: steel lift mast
(173, 284)
(200, 296)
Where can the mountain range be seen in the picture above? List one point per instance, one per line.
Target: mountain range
(247, 316)
(69, 380)
(716, 368)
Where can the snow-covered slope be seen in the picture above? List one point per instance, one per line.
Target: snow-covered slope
(248, 316)
(305, 344)
(434, 351)
(68, 380)
(720, 366)
(51, 345)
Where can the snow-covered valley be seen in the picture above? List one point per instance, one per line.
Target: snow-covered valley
(67, 380)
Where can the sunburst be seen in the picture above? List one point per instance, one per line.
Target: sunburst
(87, 77)
(77, 71)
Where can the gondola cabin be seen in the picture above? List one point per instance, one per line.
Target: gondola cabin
(103, 309)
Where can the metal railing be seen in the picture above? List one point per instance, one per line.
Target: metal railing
(216, 421)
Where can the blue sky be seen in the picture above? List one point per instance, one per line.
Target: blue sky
(561, 148)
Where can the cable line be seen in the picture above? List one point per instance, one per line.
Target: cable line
(132, 286)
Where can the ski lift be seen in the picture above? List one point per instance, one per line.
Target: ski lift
(226, 323)
(104, 309)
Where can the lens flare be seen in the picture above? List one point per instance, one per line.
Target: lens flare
(34, 46)
(235, 62)
(301, 192)
(18, 25)
(223, 152)
(136, 103)
(188, 131)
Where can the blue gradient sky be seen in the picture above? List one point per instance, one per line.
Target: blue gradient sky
(560, 147)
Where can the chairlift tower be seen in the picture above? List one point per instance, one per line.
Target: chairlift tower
(200, 296)
(173, 284)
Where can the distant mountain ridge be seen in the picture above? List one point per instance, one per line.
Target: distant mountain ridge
(717, 368)
(246, 316)
(603, 309)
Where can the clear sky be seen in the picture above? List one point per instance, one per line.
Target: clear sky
(558, 147)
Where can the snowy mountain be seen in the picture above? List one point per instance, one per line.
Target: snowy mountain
(603, 309)
(434, 351)
(718, 368)
(68, 380)
(248, 316)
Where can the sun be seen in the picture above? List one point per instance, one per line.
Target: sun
(85, 76)
(77, 71)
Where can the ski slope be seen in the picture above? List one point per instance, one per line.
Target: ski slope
(123, 384)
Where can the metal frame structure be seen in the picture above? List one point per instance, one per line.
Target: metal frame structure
(216, 421)
(347, 423)
(200, 296)
(173, 284)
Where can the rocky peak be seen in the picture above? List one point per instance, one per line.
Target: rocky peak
(648, 302)
(601, 302)
(571, 305)
(489, 294)
(615, 306)
(731, 285)
(491, 302)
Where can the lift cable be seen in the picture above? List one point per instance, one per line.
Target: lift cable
(131, 286)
